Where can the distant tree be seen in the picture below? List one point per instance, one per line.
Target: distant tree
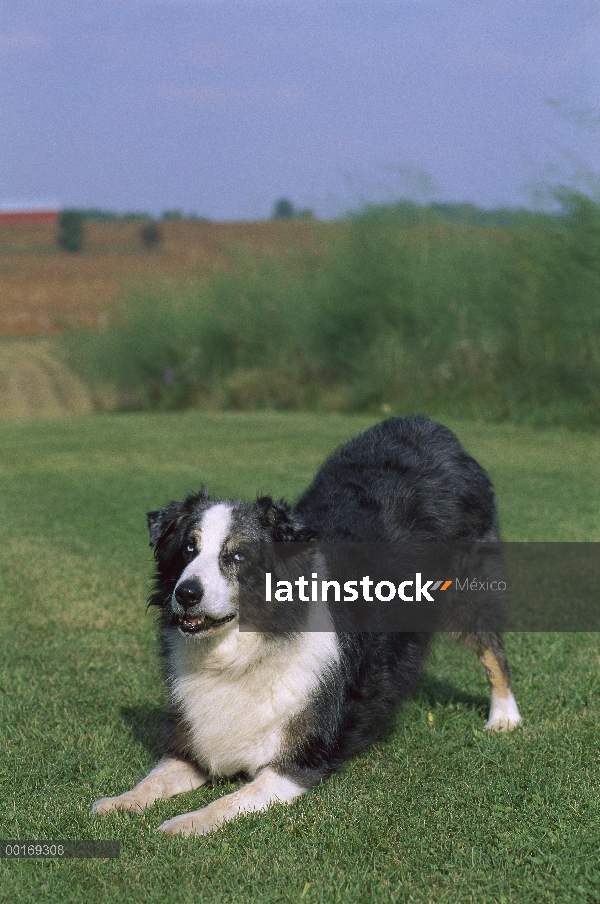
(70, 230)
(150, 235)
(98, 215)
(283, 209)
(175, 214)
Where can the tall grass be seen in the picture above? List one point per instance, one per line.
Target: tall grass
(500, 322)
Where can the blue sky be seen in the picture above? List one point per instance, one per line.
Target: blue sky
(221, 106)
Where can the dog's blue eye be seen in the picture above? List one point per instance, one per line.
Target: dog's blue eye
(190, 547)
(239, 557)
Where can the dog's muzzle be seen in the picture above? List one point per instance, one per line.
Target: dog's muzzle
(189, 610)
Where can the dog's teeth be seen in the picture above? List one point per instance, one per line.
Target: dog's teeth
(193, 622)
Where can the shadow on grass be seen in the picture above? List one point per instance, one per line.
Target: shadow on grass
(147, 726)
(147, 723)
(433, 691)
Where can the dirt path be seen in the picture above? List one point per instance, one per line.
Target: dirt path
(35, 384)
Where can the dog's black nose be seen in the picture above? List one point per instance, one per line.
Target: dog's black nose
(189, 593)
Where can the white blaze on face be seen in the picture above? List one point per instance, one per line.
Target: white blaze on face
(213, 531)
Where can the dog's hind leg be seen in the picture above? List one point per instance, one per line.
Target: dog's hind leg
(504, 713)
(172, 775)
(268, 787)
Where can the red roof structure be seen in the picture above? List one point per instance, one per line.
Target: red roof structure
(28, 215)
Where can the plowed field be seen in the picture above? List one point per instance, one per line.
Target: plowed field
(43, 288)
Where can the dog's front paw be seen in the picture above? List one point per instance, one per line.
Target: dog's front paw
(122, 802)
(197, 823)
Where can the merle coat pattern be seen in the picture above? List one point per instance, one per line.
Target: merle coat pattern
(286, 708)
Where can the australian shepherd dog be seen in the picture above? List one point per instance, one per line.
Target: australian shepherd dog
(287, 707)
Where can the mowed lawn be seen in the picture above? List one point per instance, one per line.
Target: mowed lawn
(442, 812)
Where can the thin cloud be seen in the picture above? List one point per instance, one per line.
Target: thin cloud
(213, 96)
(537, 65)
(22, 42)
(203, 54)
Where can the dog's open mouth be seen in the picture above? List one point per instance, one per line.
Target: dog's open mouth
(201, 624)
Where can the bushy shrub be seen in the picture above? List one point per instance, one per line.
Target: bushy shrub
(70, 230)
(479, 321)
(150, 235)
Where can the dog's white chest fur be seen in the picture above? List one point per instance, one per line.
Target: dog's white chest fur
(237, 697)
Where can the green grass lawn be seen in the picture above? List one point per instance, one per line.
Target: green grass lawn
(440, 813)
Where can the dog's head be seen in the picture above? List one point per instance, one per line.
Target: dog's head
(210, 554)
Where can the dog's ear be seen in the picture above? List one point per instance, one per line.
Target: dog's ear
(159, 523)
(282, 522)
